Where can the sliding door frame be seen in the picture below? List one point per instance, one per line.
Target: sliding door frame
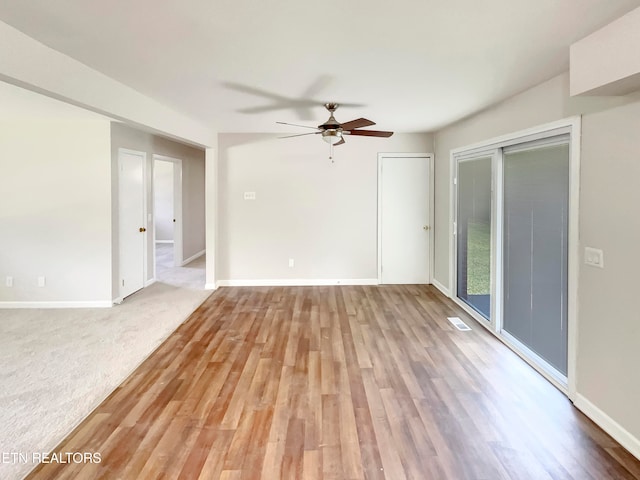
(494, 147)
(470, 156)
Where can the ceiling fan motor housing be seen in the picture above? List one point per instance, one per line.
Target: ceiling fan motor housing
(332, 123)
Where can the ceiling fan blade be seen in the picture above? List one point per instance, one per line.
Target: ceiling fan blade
(254, 91)
(261, 109)
(299, 135)
(360, 122)
(369, 133)
(339, 143)
(317, 86)
(304, 113)
(295, 125)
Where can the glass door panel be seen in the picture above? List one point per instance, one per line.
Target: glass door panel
(536, 205)
(473, 234)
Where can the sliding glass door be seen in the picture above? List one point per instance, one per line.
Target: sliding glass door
(514, 266)
(473, 234)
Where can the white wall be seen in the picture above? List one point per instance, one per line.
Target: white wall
(193, 189)
(163, 200)
(55, 213)
(607, 61)
(211, 209)
(608, 320)
(321, 214)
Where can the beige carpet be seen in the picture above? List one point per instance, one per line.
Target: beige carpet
(56, 366)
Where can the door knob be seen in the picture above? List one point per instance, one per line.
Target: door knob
(426, 227)
(142, 229)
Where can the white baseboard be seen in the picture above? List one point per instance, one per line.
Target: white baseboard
(118, 301)
(149, 282)
(298, 282)
(210, 286)
(193, 257)
(609, 425)
(96, 304)
(441, 287)
(164, 241)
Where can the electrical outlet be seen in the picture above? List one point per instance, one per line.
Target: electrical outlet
(291, 263)
(9, 282)
(594, 257)
(42, 281)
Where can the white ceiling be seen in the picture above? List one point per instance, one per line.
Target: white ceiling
(413, 65)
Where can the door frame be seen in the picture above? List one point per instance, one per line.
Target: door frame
(571, 125)
(145, 255)
(177, 208)
(429, 157)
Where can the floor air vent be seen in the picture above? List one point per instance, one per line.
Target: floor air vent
(459, 324)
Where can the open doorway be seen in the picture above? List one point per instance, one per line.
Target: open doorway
(167, 213)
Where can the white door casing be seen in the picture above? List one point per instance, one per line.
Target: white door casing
(404, 218)
(132, 220)
(178, 256)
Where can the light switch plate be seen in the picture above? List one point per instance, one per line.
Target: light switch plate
(594, 257)
(249, 195)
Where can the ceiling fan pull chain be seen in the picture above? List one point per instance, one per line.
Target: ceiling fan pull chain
(331, 152)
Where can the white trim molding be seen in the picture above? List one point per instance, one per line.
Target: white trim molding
(609, 425)
(444, 290)
(193, 257)
(65, 304)
(211, 286)
(293, 282)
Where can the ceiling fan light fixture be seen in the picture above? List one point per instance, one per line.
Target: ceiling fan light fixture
(332, 136)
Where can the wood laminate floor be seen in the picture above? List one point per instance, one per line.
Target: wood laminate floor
(337, 383)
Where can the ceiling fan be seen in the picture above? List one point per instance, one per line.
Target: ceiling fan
(333, 132)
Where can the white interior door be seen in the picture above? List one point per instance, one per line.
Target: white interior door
(404, 219)
(132, 224)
